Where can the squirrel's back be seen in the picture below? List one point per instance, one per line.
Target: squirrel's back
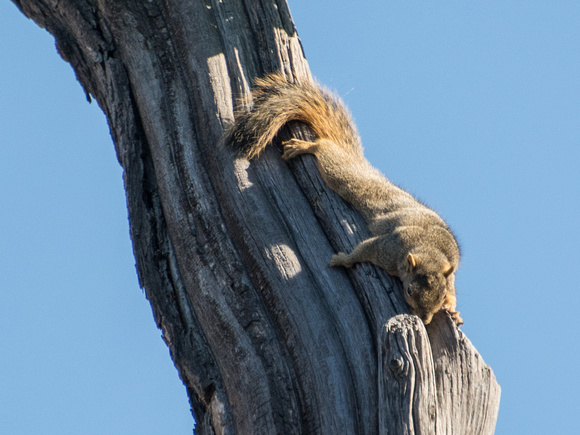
(276, 101)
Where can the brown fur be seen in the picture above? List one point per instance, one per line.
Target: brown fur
(409, 240)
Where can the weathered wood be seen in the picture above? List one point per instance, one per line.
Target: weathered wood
(467, 391)
(407, 391)
(432, 381)
(233, 257)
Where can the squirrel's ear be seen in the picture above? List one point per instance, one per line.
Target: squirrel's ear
(448, 269)
(411, 262)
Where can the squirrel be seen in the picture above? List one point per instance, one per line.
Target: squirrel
(409, 240)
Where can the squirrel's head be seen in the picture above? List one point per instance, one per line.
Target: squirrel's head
(426, 284)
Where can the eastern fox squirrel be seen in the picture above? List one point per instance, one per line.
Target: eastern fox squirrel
(409, 240)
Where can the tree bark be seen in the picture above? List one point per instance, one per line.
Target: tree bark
(432, 381)
(234, 256)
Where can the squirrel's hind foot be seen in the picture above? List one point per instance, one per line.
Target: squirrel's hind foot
(295, 147)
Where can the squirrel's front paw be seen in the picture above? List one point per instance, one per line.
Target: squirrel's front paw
(456, 318)
(340, 259)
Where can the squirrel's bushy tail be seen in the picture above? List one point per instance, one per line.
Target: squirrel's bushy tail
(277, 102)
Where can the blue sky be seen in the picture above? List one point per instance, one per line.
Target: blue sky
(472, 106)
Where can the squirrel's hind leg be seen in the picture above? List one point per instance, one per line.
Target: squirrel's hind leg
(295, 147)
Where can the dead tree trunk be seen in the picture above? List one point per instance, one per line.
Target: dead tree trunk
(234, 257)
